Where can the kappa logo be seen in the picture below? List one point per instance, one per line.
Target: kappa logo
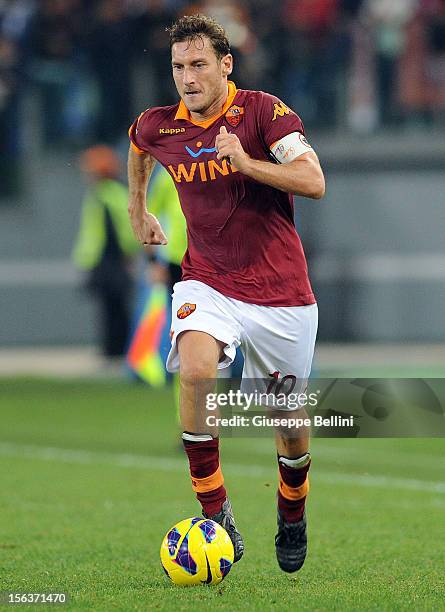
(171, 130)
(185, 310)
(279, 110)
(234, 115)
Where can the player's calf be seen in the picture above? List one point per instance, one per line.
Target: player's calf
(291, 539)
(208, 483)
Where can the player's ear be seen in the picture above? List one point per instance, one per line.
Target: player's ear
(227, 64)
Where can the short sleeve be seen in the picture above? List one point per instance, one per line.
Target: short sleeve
(138, 133)
(277, 120)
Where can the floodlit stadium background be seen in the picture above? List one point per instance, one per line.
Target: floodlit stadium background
(368, 79)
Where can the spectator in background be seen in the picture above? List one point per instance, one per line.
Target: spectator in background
(387, 20)
(14, 22)
(109, 49)
(15, 16)
(54, 42)
(105, 246)
(435, 47)
(413, 88)
(151, 49)
(314, 60)
(421, 83)
(271, 32)
(350, 8)
(9, 120)
(361, 104)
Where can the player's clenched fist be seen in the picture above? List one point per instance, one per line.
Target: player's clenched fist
(229, 146)
(147, 228)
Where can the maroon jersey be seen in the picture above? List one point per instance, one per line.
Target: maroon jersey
(241, 235)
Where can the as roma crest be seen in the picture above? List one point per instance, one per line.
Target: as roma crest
(185, 310)
(234, 115)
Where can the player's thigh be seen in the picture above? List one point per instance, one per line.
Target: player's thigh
(279, 342)
(199, 308)
(199, 355)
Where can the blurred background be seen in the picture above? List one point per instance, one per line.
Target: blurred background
(366, 76)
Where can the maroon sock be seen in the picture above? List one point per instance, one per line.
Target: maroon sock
(293, 487)
(207, 480)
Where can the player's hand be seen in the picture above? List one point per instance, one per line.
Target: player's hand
(147, 228)
(228, 146)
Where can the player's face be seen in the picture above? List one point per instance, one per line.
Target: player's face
(200, 77)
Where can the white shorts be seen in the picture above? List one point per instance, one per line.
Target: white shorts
(272, 339)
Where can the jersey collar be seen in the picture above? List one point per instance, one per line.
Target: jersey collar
(184, 113)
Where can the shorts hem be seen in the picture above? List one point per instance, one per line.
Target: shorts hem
(172, 363)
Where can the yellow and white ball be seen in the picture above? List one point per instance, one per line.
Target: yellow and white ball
(196, 551)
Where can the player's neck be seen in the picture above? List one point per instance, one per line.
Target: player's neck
(214, 109)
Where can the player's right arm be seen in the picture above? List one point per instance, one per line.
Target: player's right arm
(146, 227)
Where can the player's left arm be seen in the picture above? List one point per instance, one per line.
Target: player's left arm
(297, 172)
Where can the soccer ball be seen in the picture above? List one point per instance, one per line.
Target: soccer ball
(196, 551)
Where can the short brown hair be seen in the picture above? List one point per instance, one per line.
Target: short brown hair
(191, 27)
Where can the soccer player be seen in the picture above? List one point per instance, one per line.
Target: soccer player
(236, 157)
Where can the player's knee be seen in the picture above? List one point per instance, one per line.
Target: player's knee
(197, 371)
(198, 357)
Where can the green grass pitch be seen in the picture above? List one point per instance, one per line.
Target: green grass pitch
(92, 476)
